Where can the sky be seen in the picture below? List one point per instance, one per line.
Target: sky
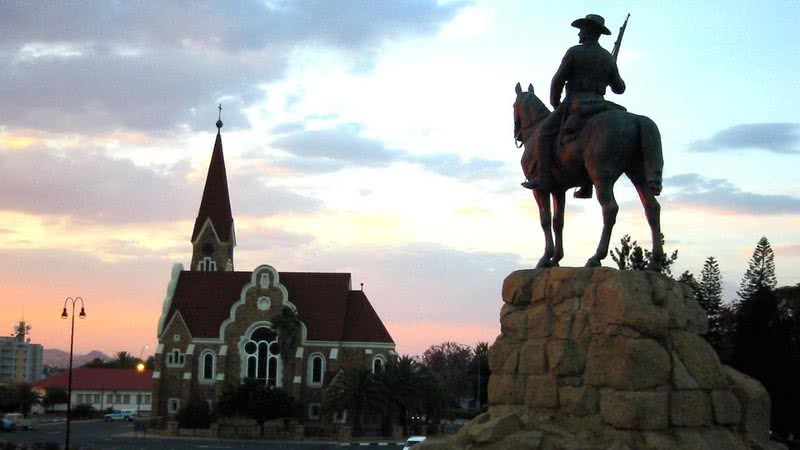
(370, 137)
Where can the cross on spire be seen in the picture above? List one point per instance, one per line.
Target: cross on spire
(219, 119)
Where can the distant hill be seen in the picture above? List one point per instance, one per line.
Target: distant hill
(54, 357)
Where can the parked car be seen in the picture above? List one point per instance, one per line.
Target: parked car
(119, 415)
(7, 425)
(414, 440)
(19, 420)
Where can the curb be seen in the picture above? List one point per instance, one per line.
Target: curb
(365, 444)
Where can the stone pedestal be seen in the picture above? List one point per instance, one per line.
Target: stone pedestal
(299, 432)
(172, 428)
(397, 433)
(606, 359)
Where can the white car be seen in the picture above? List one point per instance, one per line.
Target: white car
(119, 415)
(414, 440)
(20, 421)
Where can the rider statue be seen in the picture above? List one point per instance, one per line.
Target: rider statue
(587, 69)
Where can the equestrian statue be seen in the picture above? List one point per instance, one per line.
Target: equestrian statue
(587, 142)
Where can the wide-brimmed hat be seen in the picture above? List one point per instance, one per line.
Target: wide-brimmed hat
(592, 21)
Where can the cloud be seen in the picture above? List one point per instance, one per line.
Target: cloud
(722, 196)
(343, 146)
(157, 65)
(91, 187)
(421, 282)
(772, 137)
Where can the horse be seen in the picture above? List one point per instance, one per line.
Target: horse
(609, 144)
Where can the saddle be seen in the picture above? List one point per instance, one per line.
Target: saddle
(580, 110)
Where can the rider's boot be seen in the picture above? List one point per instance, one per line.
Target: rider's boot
(544, 150)
(584, 191)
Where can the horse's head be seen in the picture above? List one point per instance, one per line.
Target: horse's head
(528, 112)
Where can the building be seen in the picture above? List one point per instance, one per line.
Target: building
(216, 326)
(20, 361)
(104, 388)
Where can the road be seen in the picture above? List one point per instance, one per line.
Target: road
(99, 435)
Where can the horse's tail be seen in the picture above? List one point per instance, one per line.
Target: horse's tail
(650, 145)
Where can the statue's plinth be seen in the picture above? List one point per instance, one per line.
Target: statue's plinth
(601, 359)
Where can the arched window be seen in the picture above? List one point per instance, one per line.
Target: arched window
(316, 369)
(207, 264)
(262, 356)
(207, 367)
(377, 364)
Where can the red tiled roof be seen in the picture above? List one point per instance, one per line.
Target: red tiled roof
(216, 203)
(362, 323)
(91, 378)
(325, 303)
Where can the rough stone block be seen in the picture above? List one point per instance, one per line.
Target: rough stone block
(510, 366)
(506, 389)
(524, 440)
(566, 282)
(580, 401)
(514, 325)
(700, 359)
(565, 357)
(681, 378)
(541, 391)
(711, 439)
(635, 410)
(755, 404)
(690, 409)
(498, 353)
(532, 357)
(540, 321)
(626, 364)
(625, 300)
(494, 429)
(517, 286)
(727, 410)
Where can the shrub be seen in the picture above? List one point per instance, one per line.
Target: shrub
(195, 414)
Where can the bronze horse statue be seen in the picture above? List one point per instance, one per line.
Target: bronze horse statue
(608, 144)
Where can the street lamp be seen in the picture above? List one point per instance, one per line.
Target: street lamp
(64, 315)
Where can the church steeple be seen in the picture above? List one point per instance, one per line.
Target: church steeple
(213, 237)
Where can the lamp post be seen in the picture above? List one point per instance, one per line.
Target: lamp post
(140, 369)
(64, 315)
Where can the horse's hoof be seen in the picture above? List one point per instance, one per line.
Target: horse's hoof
(593, 262)
(544, 263)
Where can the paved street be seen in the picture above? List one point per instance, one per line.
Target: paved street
(119, 436)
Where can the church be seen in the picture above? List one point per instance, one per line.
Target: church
(216, 325)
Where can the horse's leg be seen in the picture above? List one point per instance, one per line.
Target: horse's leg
(559, 199)
(653, 212)
(605, 196)
(543, 200)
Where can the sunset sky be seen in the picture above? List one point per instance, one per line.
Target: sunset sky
(371, 137)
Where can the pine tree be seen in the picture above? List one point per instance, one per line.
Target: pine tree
(710, 298)
(760, 271)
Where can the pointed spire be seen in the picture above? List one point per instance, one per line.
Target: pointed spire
(216, 203)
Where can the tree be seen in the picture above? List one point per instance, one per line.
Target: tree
(401, 386)
(55, 396)
(195, 413)
(123, 360)
(630, 256)
(255, 400)
(760, 271)
(288, 325)
(480, 367)
(356, 391)
(451, 361)
(710, 299)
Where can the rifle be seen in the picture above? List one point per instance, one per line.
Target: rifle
(617, 44)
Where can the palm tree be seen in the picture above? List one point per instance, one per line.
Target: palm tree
(400, 382)
(288, 325)
(356, 391)
(123, 360)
